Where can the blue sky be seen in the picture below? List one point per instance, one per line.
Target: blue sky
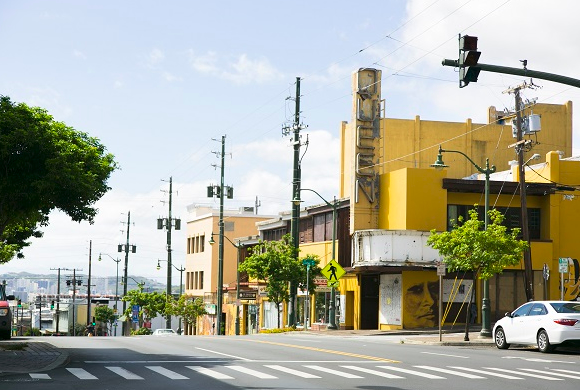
(157, 81)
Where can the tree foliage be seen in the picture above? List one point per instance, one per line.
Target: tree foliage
(151, 304)
(277, 263)
(45, 165)
(189, 309)
(104, 314)
(468, 247)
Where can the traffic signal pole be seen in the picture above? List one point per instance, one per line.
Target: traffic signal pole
(525, 72)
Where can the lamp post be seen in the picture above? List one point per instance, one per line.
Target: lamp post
(238, 247)
(116, 286)
(485, 310)
(334, 206)
(181, 269)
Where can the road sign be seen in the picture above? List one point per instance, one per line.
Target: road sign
(563, 265)
(135, 313)
(333, 283)
(441, 270)
(546, 272)
(249, 295)
(309, 262)
(333, 271)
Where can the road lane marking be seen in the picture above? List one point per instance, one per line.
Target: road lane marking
(39, 376)
(324, 350)
(374, 372)
(124, 373)
(209, 372)
(444, 354)
(334, 372)
(249, 371)
(292, 371)
(549, 378)
(166, 373)
(444, 370)
(568, 371)
(220, 353)
(80, 373)
(485, 372)
(412, 372)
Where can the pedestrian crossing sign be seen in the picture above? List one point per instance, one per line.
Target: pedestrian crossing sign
(333, 271)
(333, 283)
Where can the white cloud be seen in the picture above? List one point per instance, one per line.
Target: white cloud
(156, 56)
(243, 70)
(170, 77)
(79, 54)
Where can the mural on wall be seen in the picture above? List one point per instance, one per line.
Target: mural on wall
(571, 281)
(390, 299)
(420, 298)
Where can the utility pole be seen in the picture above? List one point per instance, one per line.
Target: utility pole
(220, 191)
(296, 178)
(75, 282)
(168, 223)
(58, 296)
(520, 145)
(89, 285)
(134, 250)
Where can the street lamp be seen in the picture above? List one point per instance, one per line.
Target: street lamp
(238, 247)
(485, 309)
(334, 206)
(180, 283)
(116, 285)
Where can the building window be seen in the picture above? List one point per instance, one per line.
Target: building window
(200, 280)
(188, 245)
(202, 243)
(512, 217)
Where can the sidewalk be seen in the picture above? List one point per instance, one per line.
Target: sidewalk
(36, 356)
(39, 355)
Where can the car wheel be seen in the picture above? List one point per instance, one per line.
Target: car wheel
(544, 342)
(500, 340)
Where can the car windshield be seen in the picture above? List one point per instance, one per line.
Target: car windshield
(566, 307)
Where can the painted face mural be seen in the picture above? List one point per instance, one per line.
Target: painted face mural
(420, 304)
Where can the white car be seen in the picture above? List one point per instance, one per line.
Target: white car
(546, 324)
(164, 332)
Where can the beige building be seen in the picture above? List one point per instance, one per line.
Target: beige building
(201, 260)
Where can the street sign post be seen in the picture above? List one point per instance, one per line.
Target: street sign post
(563, 269)
(308, 262)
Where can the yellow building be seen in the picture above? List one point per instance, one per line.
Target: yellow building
(396, 199)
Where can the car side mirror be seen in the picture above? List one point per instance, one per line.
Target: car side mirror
(508, 314)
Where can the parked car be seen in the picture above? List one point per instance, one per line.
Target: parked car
(547, 324)
(164, 332)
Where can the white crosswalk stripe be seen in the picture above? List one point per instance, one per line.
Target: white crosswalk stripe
(374, 372)
(549, 378)
(124, 373)
(395, 372)
(39, 376)
(249, 371)
(443, 370)
(81, 373)
(485, 372)
(166, 373)
(412, 372)
(292, 371)
(551, 372)
(209, 372)
(334, 372)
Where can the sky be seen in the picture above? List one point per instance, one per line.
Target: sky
(159, 84)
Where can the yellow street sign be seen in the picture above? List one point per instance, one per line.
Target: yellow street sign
(333, 284)
(333, 271)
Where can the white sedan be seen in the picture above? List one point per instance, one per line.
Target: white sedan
(546, 324)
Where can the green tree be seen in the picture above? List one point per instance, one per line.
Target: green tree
(468, 247)
(45, 165)
(277, 263)
(106, 315)
(151, 304)
(189, 309)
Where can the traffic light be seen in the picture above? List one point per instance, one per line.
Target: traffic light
(19, 303)
(468, 57)
(93, 323)
(52, 305)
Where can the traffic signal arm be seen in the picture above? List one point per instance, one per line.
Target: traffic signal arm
(519, 72)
